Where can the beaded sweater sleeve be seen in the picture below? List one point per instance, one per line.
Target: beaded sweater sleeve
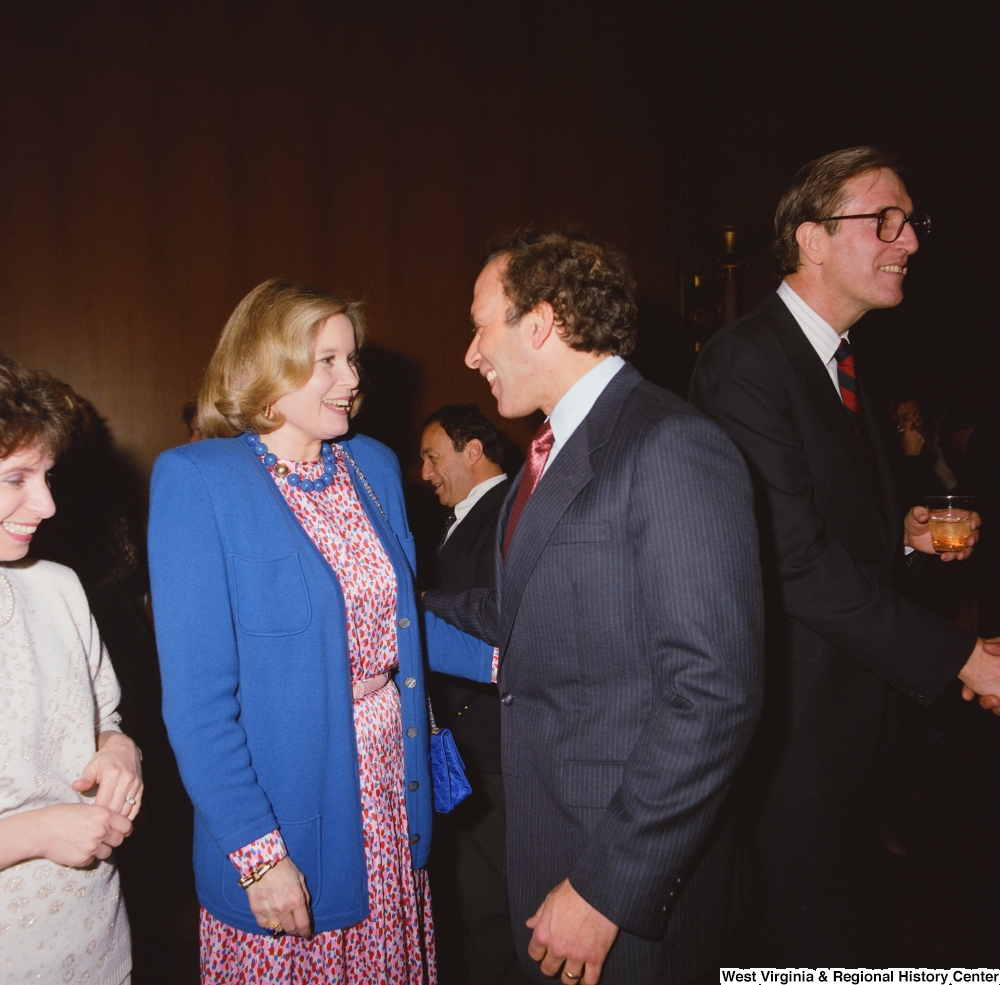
(107, 693)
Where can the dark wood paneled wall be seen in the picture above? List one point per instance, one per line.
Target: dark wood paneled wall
(161, 159)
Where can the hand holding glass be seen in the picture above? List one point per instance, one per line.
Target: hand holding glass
(950, 522)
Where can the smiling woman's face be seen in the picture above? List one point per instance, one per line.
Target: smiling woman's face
(25, 499)
(321, 409)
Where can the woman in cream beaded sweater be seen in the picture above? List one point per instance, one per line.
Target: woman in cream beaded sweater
(70, 781)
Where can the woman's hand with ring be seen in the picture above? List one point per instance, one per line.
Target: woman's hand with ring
(116, 771)
(280, 901)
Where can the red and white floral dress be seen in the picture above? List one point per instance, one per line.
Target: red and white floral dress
(394, 945)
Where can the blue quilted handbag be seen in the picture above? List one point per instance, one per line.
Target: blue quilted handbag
(447, 769)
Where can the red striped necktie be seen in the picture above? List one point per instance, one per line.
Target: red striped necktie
(538, 454)
(848, 381)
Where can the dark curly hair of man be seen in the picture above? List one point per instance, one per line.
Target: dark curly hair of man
(588, 284)
(35, 410)
(465, 422)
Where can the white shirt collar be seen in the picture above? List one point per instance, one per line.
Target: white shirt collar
(476, 493)
(577, 401)
(821, 334)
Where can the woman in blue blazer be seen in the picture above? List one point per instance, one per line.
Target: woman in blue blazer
(291, 649)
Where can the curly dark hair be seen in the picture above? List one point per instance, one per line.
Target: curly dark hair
(817, 190)
(35, 409)
(464, 422)
(588, 284)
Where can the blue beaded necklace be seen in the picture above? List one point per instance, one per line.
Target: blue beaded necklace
(293, 478)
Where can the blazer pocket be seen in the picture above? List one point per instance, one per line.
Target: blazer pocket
(581, 533)
(590, 784)
(303, 842)
(271, 595)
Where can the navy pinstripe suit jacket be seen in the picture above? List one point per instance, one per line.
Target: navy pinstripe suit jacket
(629, 616)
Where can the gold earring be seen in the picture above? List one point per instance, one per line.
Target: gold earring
(268, 411)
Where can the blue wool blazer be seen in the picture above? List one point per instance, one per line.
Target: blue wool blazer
(251, 634)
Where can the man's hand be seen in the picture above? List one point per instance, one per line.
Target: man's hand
(570, 933)
(116, 771)
(981, 675)
(280, 900)
(917, 534)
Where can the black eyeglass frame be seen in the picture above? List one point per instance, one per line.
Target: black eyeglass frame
(922, 219)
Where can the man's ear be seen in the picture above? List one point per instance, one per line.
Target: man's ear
(812, 237)
(473, 451)
(543, 322)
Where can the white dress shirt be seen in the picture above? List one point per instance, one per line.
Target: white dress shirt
(475, 494)
(577, 401)
(821, 334)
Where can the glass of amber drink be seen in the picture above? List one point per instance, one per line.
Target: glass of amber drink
(951, 517)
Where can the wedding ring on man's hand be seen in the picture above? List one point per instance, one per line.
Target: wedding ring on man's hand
(570, 976)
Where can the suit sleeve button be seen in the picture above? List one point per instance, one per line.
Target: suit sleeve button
(506, 697)
(410, 682)
(414, 785)
(404, 623)
(414, 839)
(411, 732)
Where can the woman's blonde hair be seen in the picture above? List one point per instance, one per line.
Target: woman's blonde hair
(266, 351)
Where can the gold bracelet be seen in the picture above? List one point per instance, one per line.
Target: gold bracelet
(257, 874)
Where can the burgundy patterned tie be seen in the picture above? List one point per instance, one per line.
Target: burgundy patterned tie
(538, 455)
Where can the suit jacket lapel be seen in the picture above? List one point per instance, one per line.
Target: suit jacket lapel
(821, 393)
(558, 487)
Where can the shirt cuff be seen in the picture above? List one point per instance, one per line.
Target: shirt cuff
(496, 664)
(269, 848)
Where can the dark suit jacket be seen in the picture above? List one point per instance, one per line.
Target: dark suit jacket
(467, 560)
(629, 615)
(839, 637)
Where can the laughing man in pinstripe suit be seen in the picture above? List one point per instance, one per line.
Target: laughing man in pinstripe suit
(628, 611)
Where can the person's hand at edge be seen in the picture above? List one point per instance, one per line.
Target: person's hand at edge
(981, 675)
(569, 933)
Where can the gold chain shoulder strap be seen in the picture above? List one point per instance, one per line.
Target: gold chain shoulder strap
(371, 492)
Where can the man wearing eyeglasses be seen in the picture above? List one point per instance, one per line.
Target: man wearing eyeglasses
(842, 643)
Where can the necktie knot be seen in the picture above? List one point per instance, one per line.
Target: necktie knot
(542, 442)
(844, 351)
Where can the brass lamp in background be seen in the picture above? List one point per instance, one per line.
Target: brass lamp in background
(730, 258)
